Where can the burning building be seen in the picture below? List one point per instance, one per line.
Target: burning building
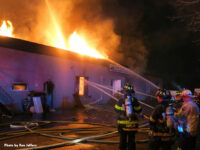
(72, 67)
(25, 66)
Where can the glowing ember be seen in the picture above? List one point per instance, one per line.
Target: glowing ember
(6, 28)
(79, 45)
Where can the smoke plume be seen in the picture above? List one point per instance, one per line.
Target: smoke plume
(36, 21)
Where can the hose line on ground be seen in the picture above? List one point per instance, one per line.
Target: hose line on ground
(92, 139)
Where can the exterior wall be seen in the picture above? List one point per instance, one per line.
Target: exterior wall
(101, 75)
(35, 69)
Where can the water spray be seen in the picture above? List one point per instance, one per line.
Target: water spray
(141, 93)
(134, 73)
(87, 82)
(146, 105)
(95, 85)
(105, 87)
(98, 100)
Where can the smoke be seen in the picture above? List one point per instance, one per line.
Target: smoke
(20, 13)
(136, 54)
(128, 18)
(33, 20)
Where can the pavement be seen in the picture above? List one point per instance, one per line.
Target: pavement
(66, 126)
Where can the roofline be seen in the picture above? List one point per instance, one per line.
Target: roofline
(27, 46)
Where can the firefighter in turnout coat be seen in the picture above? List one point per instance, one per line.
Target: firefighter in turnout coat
(162, 123)
(188, 120)
(128, 109)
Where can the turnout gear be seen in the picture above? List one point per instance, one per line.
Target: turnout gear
(162, 123)
(188, 118)
(189, 115)
(197, 100)
(127, 117)
(128, 109)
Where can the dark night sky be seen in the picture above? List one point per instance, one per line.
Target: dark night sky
(172, 54)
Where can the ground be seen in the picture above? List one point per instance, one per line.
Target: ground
(83, 124)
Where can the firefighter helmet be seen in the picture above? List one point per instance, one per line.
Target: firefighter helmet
(128, 90)
(178, 96)
(163, 93)
(187, 93)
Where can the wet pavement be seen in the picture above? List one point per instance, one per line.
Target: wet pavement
(66, 126)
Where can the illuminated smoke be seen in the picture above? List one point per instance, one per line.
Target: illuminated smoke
(33, 22)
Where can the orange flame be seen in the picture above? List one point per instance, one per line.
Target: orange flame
(76, 43)
(6, 29)
(79, 45)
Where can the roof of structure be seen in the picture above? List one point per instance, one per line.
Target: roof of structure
(22, 45)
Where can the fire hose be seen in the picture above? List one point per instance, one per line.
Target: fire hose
(69, 143)
(91, 139)
(63, 130)
(73, 141)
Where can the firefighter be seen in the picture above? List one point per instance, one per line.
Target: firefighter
(162, 123)
(129, 110)
(188, 118)
(178, 100)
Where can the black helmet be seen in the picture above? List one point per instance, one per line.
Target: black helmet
(128, 89)
(163, 93)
